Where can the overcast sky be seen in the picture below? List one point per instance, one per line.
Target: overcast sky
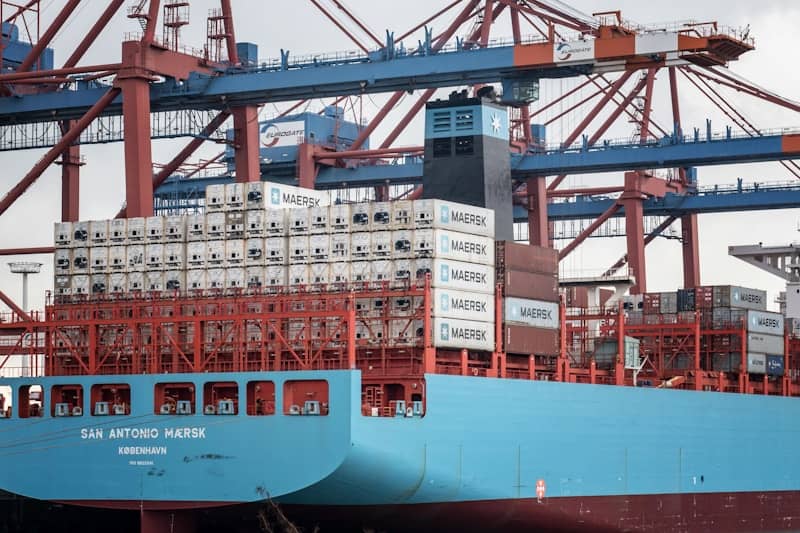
(297, 26)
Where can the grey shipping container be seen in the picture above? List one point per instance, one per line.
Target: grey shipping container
(726, 362)
(757, 363)
(669, 303)
(530, 285)
(762, 343)
(527, 340)
(739, 297)
(765, 322)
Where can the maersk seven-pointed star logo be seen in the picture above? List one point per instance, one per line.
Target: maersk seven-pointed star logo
(496, 124)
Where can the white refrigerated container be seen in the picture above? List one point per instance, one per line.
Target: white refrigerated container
(276, 251)
(234, 224)
(62, 234)
(80, 260)
(299, 221)
(403, 244)
(381, 244)
(196, 254)
(215, 197)
(136, 229)
(98, 232)
(360, 246)
(175, 255)
(298, 248)
(381, 216)
(254, 251)
(234, 196)
(402, 214)
(135, 281)
(175, 280)
(298, 275)
(135, 257)
(234, 253)
(80, 234)
(360, 216)
(62, 261)
(275, 276)
(318, 220)
(196, 227)
(98, 256)
(154, 228)
(80, 285)
(215, 253)
(154, 255)
(319, 247)
(118, 231)
(175, 228)
(340, 247)
(215, 225)
(196, 279)
(117, 283)
(154, 281)
(381, 270)
(340, 272)
(275, 222)
(339, 218)
(215, 278)
(255, 220)
(117, 258)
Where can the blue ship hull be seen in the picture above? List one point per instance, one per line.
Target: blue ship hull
(618, 458)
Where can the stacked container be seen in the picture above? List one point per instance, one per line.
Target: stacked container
(262, 235)
(531, 310)
(455, 244)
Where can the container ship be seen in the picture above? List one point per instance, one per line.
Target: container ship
(283, 353)
(400, 365)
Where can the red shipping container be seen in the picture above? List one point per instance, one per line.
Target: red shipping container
(525, 258)
(652, 303)
(529, 285)
(531, 341)
(704, 297)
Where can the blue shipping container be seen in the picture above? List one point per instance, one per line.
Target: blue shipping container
(775, 365)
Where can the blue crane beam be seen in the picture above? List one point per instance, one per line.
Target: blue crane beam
(708, 200)
(665, 153)
(389, 69)
(256, 86)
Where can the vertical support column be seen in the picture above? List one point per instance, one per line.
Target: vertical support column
(632, 200)
(245, 140)
(70, 174)
(634, 230)
(699, 375)
(306, 167)
(691, 251)
(537, 211)
(464, 362)
(351, 333)
(619, 365)
(428, 350)
(138, 152)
